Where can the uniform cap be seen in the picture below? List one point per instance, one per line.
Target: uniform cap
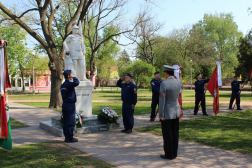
(235, 76)
(128, 74)
(198, 74)
(168, 68)
(67, 72)
(156, 73)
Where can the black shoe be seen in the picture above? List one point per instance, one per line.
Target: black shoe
(71, 140)
(239, 109)
(124, 130)
(151, 119)
(230, 108)
(164, 157)
(194, 113)
(129, 131)
(205, 114)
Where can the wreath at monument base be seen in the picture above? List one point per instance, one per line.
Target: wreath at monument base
(108, 116)
(78, 119)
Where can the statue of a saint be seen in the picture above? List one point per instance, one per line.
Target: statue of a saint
(74, 52)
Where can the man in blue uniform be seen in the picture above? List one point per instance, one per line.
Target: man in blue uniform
(235, 92)
(155, 84)
(68, 107)
(199, 89)
(129, 98)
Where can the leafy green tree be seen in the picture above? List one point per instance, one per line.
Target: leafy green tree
(17, 51)
(104, 69)
(245, 56)
(141, 71)
(223, 32)
(123, 60)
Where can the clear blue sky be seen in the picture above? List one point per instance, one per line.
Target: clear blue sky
(180, 13)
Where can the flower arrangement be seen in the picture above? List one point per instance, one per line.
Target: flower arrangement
(78, 119)
(108, 115)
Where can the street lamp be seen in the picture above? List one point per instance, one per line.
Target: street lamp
(33, 83)
(191, 74)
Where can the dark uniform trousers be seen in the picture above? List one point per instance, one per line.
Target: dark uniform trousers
(68, 111)
(198, 98)
(170, 130)
(127, 113)
(154, 103)
(235, 96)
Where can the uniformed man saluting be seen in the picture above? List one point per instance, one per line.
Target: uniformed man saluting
(199, 93)
(129, 98)
(235, 93)
(155, 84)
(68, 107)
(169, 112)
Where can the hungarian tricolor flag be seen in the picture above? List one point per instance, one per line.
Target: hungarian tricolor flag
(5, 128)
(213, 88)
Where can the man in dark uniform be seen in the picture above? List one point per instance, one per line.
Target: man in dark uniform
(235, 93)
(199, 89)
(68, 107)
(129, 98)
(155, 84)
(169, 112)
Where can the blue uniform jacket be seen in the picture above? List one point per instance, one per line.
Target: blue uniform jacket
(129, 91)
(68, 92)
(155, 84)
(199, 85)
(236, 86)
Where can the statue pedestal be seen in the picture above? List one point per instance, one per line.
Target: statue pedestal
(84, 98)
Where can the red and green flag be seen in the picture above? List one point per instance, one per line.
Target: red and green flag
(5, 128)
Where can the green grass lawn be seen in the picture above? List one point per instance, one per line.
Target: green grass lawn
(53, 154)
(141, 108)
(143, 94)
(229, 131)
(16, 124)
(42, 96)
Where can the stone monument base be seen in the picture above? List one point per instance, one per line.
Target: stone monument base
(92, 124)
(84, 98)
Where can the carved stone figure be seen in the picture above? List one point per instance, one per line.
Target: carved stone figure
(74, 52)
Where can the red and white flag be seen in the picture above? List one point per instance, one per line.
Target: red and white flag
(177, 73)
(213, 88)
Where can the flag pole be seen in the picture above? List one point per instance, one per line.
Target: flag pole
(201, 101)
(156, 114)
(240, 91)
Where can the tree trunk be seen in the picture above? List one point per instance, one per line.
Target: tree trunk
(56, 68)
(92, 66)
(55, 98)
(23, 82)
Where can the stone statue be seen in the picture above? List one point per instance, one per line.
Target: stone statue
(74, 52)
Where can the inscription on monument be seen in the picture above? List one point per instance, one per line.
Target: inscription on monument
(82, 94)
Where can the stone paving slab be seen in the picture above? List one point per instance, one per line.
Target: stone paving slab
(144, 150)
(128, 150)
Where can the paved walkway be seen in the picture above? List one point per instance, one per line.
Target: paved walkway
(128, 150)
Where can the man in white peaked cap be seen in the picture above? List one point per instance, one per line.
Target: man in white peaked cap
(169, 112)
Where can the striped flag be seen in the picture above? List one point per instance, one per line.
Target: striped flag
(5, 128)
